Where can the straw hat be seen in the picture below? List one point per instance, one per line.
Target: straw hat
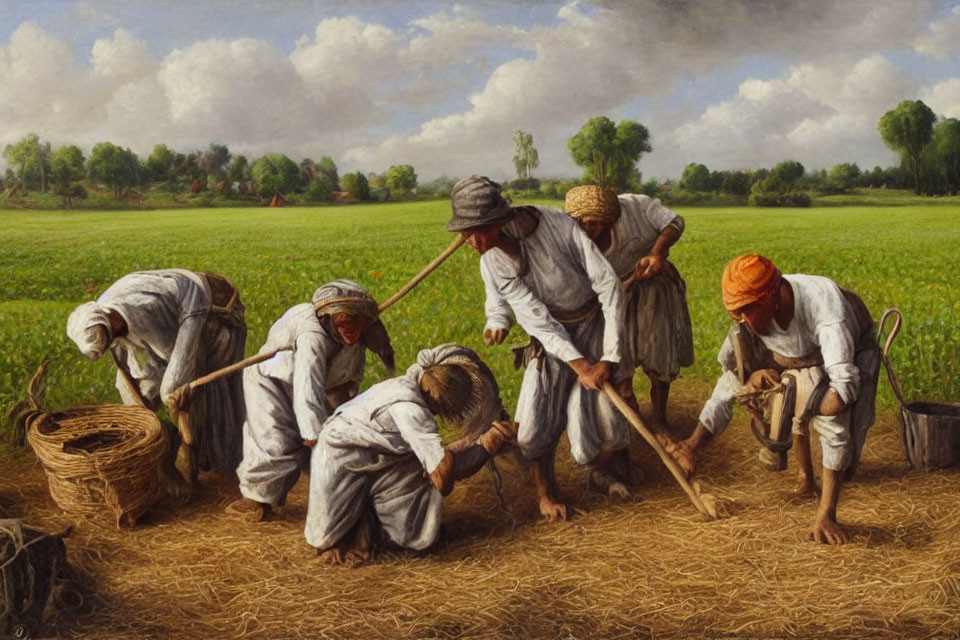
(591, 203)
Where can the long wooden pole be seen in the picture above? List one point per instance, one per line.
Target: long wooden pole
(637, 423)
(427, 270)
(128, 380)
(252, 360)
(233, 368)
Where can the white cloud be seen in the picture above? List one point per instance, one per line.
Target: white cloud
(943, 38)
(820, 114)
(445, 91)
(944, 98)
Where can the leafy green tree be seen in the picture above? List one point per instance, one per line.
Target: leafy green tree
(320, 190)
(377, 180)
(187, 166)
(66, 166)
(908, 129)
(696, 177)
(115, 167)
(609, 153)
(275, 172)
(400, 178)
(31, 159)
(783, 177)
(240, 169)
(160, 163)
(356, 185)
(525, 156)
(946, 144)
(214, 160)
(844, 176)
(328, 167)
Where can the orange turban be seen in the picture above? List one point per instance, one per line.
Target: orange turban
(746, 279)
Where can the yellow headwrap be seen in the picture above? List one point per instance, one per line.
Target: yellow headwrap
(591, 203)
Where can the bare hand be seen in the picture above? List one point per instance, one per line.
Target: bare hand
(178, 400)
(591, 376)
(552, 511)
(826, 530)
(648, 266)
(831, 404)
(494, 336)
(763, 379)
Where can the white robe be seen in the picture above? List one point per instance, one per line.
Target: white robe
(565, 272)
(386, 422)
(823, 321)
(174, 338)
(287, 403)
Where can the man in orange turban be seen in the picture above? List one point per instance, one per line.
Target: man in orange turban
(822, 336)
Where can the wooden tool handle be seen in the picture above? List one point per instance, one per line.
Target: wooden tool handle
(642, 429)
(233, 368)
(427, 270)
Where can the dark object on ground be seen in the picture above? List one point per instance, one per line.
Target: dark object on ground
(32, 568)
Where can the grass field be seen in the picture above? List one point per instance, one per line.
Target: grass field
(907, 257)
(642, 569)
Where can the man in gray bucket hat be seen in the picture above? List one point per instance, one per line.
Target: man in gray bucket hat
(542, 271)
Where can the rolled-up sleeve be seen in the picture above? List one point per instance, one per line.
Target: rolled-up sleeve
(838, 350)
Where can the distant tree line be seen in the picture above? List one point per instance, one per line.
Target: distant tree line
(66, 172)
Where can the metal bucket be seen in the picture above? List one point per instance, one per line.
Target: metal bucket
(930, 430)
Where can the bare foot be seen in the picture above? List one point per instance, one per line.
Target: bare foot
(619, 491)
(806, 485)
(827, 530)
(682, 453)
(250, 510)
(551, 510)
(174, 485)
(330, 557)
(603, 482)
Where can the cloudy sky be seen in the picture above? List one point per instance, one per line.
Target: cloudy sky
(443, 86)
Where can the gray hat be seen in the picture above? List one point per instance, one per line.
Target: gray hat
(476, 201)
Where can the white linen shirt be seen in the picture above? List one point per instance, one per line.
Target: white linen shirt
(565, 270)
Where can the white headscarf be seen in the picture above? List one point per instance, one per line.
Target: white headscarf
(83, 327)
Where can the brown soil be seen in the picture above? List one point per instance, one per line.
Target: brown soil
(648, 568)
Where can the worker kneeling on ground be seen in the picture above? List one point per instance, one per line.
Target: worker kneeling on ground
(379, 470)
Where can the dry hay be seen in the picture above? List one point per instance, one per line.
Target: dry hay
(101, 459)
(647, 568)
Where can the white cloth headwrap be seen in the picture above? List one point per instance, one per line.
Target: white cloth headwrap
(82, 328)
(437, 355)
(346, 296)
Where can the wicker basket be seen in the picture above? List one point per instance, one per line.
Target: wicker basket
(100, 459)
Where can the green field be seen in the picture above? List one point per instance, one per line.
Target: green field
(905, 256)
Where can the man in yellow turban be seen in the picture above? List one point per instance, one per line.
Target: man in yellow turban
(635, 233)
(822, 336)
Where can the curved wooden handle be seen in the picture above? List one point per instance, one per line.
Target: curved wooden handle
(637, 423)
(427, 270)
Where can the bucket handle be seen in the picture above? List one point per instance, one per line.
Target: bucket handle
(884, 354)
